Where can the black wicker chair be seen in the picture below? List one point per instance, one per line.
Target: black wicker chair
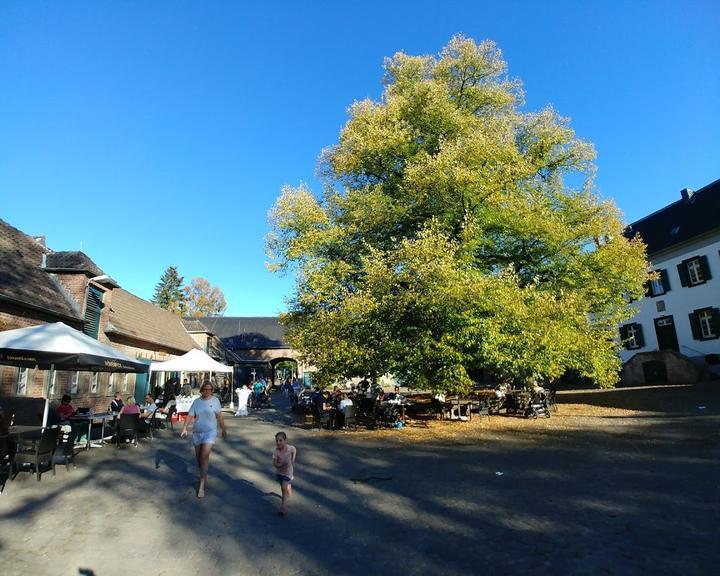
(41, 453)
(127, 427)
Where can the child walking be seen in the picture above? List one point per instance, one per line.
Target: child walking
(283, 459)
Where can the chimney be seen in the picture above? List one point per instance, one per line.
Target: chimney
(686, 194)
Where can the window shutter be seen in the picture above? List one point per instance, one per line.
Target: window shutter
(92, 312)
(705, 267)
(648, 289)
(695, 326)
(682, 272)
(639, 338)
(665, 279)
(623, 336)
(716, 321)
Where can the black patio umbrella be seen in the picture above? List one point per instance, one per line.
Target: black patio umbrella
(60, 347)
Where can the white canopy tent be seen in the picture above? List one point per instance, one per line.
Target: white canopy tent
(193, 361)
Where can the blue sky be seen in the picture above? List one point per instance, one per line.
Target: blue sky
(158, 133)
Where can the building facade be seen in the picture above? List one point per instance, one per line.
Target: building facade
(679, 317)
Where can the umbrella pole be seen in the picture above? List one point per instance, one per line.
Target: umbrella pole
(46, 394)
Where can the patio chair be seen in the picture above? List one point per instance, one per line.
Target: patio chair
(537, 406)
(43, 452)
(170, 413)
(439, 408)
(127, 427)
(350, 419)
(67, 446)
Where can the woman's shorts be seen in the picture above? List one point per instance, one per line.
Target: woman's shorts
(283, 478)
(203, 438)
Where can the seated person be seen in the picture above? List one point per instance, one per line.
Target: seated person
(129, 407)
(117, 403)
(147, 413)
(340, 417)
(64, 411)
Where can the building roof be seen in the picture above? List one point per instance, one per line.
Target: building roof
(244, 333)
(136, 318)
(696, 213)
(72, 261)
(193, 325)
(24, 281)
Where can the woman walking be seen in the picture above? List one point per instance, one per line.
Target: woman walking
(206, 413)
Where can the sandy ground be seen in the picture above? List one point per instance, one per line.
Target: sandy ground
(620, 482)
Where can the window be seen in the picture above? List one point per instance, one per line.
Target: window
(124, 382)
(660, 285)
(632, 336)
(94, 382)
(52, 377)
(705, 324)
(111, 384)
(21, 381)
(694, 271)
(74, 382)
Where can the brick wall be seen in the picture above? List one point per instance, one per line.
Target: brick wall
(76, 286)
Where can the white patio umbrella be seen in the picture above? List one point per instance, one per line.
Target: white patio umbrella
(57, 346)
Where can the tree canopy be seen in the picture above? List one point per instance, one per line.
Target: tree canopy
(168, 292)
(202, 299)
(455, 232)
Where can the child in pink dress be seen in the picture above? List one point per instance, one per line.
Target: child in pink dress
(283, 459)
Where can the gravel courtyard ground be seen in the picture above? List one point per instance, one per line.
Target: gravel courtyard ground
(620, 482)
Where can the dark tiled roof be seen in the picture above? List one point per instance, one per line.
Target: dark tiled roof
(246, 333)
(72, 261)
(22, 278)
(192, 325)
(687, 218)
(134, 317)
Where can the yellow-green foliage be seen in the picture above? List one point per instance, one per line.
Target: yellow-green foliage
(449, 239)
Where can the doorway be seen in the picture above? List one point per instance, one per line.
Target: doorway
(666, 335)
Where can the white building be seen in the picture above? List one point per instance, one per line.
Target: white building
(681, 309)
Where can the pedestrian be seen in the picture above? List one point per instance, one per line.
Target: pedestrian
(283, 459)
(206, 413)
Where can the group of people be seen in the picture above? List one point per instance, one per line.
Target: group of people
(335, 404)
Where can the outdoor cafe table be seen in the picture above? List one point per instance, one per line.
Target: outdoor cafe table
(183, 403)
(89, 418)
(460, 403)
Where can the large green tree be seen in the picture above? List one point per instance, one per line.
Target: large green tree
(169, 292)
(455, 232)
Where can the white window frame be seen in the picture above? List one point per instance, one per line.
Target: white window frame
(631, 341)
(125, 382)
(694, 272)
(656, 287)
(705, 319)
(74, 383)
(21, 381)
(94, 382)
(111, 384)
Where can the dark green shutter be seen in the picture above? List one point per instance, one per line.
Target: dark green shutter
(623, 336)
(665, 279)
(695, 326)
(639, 338)
(682, 272)
(93, 307)
(705, 267)
(716, 321)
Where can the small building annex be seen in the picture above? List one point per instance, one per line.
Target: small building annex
(38, 285)
(675, 335)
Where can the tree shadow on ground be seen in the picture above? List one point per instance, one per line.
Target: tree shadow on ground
(632, 499)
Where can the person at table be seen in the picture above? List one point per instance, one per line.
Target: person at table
(65, 410)
(186, 388)
(344, 403)
(147, 413)
(129, 407)
(205, 414)
(117, 403)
